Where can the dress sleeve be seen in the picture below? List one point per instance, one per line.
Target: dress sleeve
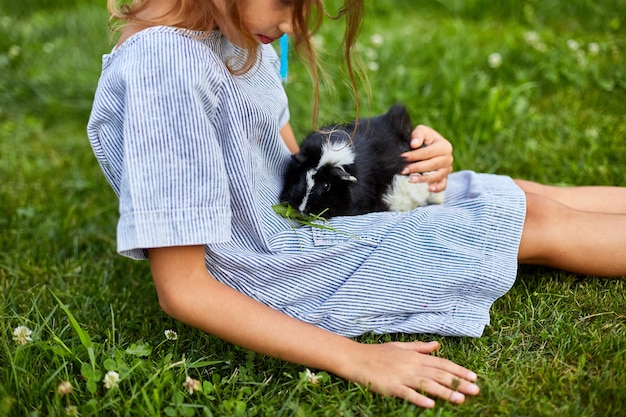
(174, 187)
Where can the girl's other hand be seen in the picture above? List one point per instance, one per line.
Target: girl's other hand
(435, 158)
(407, 370)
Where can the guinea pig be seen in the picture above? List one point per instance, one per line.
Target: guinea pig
(343, 172)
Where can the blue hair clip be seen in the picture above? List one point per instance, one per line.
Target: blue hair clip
(284, 57)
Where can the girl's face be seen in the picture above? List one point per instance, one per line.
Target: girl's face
(266, 20)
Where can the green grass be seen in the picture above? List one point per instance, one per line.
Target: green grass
(557, 343)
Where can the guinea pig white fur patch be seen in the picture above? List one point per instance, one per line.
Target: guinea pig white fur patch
(404, 195)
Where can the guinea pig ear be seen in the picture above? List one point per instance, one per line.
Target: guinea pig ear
(299, 158)
(399, 116)
(343, 175)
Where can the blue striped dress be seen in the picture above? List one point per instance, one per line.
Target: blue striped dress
(195, 156)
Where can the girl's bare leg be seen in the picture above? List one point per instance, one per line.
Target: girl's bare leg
(584, 242)
(599, 199)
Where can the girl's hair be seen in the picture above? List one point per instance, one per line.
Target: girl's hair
(199, 15)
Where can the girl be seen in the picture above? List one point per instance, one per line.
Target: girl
(190, 126)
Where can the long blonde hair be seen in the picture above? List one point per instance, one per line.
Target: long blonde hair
(199, 15)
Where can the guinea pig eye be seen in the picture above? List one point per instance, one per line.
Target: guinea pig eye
(326, 186)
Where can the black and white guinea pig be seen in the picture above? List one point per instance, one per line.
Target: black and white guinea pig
(335, 174)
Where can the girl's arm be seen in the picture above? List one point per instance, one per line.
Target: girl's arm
(190, 294)
(435, 158)
(289, 138)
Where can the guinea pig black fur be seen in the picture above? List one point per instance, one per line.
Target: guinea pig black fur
(343, 172)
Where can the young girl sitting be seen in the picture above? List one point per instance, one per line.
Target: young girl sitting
(190, 125)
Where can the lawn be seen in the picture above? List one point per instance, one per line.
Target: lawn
(533, 89)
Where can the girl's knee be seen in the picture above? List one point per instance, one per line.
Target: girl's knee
(541, 232)
(531, 187)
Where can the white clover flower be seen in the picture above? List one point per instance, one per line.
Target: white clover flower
(48, 47)
(370, 53)
(71, 410)
(14, 51)
(191, 384)
(573, 45)
(373, 66)
(593, 48)
(312, 378)
(495, 60)
(377, 39)
(540, 46)
(318, 42)
(65, 388)
(21, 335)
(592, 133)
(111, 380)
(171, 334)
(531, 37)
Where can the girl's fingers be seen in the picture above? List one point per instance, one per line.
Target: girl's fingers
(448, 373)
(443, 371)
(437, 180)
(440, 148)
(441, 384)
(436, 187)
(423, 347)
(408, 370)
(416, 398)
(424, 135)
(430, 176)
(433, 382)
(432, 169)
(432, 163)
(449, 381)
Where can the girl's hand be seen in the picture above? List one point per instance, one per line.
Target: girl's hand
(407, 370)
(435, 158)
